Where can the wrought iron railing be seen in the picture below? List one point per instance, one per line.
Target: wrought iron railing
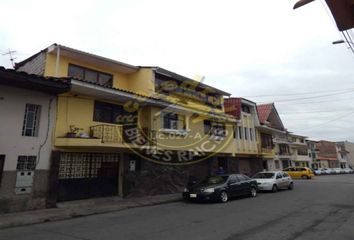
(108, 133)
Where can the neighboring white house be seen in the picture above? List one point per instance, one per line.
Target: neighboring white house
(27, 117)
(299, 151)
(346, 153)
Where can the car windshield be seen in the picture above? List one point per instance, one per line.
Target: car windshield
(264, 175)
(214, 180)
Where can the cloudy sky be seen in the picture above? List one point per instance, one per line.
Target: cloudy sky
(262, 50)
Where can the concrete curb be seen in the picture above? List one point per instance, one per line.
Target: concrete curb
(10, 220)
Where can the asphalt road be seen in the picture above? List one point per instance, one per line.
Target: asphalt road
(321, 208)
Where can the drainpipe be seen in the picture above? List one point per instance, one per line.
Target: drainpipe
(57, 62)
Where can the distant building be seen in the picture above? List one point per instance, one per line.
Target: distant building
(349, 148)
(327, 154)
(342, 155)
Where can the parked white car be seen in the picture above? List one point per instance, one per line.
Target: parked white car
(337, 170)
(273, 180)
(318, 171)
(326, 171)
(348, 170)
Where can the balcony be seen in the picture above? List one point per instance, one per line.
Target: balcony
(108, 133)
(267, 152)
(281, 140)
(102, 135)
(281, 153)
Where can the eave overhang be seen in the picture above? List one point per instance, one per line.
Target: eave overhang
(111, 94)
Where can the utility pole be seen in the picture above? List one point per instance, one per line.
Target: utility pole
(9, 52)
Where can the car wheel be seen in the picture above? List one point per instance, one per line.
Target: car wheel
(224, 197)
(274, 188)
(253, 192)
(291, 186)
(304, 177)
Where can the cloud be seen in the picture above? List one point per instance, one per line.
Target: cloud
(247, 48)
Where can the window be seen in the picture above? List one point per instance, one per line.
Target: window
(214, 128)
(26, 163)
(246, 133)
(242, 177)
(245, 108)
(2, 163)
(170, 121)
(284, 149)
(240, 132)
(207, 126)
(31, 120)
(112, 113)
(302, 151)
(251, 134)
(90, 75)
(279, 175)
(233, 179)
(266, 141)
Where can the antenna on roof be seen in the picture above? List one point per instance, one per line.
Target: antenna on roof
(9, 52)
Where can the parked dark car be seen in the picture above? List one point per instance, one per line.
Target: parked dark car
(221, 188)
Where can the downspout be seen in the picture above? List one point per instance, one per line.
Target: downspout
(57, 62)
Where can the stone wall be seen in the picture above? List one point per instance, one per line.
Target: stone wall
(155, 179)
(12, 202)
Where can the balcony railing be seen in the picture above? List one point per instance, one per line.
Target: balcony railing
(108, 133)
(266, 150)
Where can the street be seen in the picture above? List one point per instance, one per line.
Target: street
(321, 208)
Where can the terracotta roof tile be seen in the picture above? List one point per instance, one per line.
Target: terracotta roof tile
(233, 106)
(263, 112)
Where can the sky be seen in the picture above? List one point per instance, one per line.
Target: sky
(261, 50)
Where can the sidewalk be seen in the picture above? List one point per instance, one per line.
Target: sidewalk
(67, 210)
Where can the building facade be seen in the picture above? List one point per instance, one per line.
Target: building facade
(327, 154)
(274, 144)
(342, 155)
(248, 158)
(299, 151)
(28, 105)
(131, 131)
(349, 146)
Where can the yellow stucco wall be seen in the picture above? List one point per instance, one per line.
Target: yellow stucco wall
(195, 138)
(142, 82)
(119, 80)
(75, 110)
(248, 146)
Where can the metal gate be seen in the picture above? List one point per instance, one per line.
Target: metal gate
(87, 175)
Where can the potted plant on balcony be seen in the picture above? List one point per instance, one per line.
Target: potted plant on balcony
(73, 131)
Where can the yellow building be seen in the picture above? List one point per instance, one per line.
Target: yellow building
(124, 130)
(247, 157)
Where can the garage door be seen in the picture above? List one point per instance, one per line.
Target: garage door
(87, 175)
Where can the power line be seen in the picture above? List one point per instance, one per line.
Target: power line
(295, 94)
(332, 120)
(335, 100)
(320, 96)
(309, 112)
